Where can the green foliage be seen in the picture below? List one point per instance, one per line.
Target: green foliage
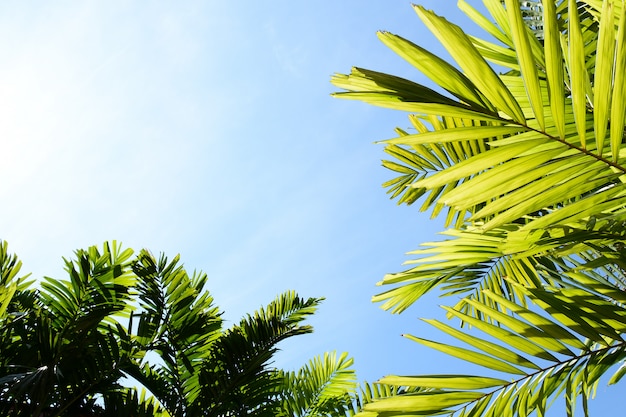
(139, 336)
(528, 167)
(60, 345)
(321, 388)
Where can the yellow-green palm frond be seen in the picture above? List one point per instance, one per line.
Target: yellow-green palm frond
(324, 386)
(571, 337)
(531, 167)
(526, 150)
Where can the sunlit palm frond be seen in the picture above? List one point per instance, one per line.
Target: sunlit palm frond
(10, 267)
(538, 205)
(532, 161)
(418, 158)
(541, 356)
(528, 94)
(471, 261)
(13, 288)
(373, 392)
(99, 287)
(397, 93)
(324, 386)
(468, 263)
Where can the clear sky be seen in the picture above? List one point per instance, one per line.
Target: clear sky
(206, 128)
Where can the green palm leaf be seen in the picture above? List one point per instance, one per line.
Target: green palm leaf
(508, 166)
(472, 63)
(370, 393)
(535, 201)
(528, 66)
(63, 342)
(327, 384)
(618, 97)
(237, 374)
(527, 389)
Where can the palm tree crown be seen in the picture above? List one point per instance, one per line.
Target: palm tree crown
(70, 347)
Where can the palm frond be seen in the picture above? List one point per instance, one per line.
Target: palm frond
(13, 288)
(131, 403)
(531, 167)
(65, 348)
(373, 392)
(237, 374)
(540, 357)
(536, 142)
(324, 386)
(61, 345)
(177, 320)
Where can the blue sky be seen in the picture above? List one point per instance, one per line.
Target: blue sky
(207, 129)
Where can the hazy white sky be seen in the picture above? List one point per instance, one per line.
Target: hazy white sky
(206, 128)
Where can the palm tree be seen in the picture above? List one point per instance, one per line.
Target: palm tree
(204, 369)
(140, 336)
(528, 167)
(60, 346)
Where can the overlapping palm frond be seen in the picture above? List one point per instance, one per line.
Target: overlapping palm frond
(130, 403)
(14, 289)
(178, 321)
(244, 379)
(539, 356)
(60, 345)
(533, 155)
(370, 393)
(203, 368)
(9, 268)
(530, 165)
(65, 349)
(328, 384)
